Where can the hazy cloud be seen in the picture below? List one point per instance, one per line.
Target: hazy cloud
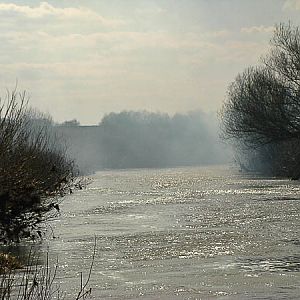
(82, 59)
(44, 9)
(116, 42)
(291, 5)
(258, 29)
(149, 9)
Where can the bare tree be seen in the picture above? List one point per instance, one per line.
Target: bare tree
(256, 109)
(262, 109)
(34, 169)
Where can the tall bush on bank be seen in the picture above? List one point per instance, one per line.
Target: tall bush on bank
(34, 169)
(262, 111)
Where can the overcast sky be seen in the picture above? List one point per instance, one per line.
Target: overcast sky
(84, 58)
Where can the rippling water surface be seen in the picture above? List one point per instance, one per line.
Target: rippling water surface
(182, 233)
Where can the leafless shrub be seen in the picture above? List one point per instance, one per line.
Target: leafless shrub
(34, 169)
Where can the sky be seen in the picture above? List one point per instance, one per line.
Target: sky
(85, 58)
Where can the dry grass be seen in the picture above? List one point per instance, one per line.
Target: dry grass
(36, 282)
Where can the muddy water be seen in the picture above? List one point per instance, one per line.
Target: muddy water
(182, 233)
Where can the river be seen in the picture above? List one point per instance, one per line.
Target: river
(181, 233)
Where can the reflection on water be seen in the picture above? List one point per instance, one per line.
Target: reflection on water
(25, 252)
(183, 233)
(264, 264)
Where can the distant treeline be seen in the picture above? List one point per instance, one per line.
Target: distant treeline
(131, 139)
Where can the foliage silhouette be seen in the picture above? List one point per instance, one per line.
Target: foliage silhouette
(261, 114)
(34, 169)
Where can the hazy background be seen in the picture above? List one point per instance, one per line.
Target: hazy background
(84, 59)
(140, 139)
(145, 78)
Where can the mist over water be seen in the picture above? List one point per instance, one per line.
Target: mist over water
(132, 139)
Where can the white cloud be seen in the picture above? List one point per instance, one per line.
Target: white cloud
(84, 48)
(47, 10)
(114, 42)
(258, 29)
(66, 52)
(291, 5)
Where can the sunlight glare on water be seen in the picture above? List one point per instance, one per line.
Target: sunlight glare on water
(182, 233)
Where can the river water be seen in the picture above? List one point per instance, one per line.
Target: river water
(181, 233)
